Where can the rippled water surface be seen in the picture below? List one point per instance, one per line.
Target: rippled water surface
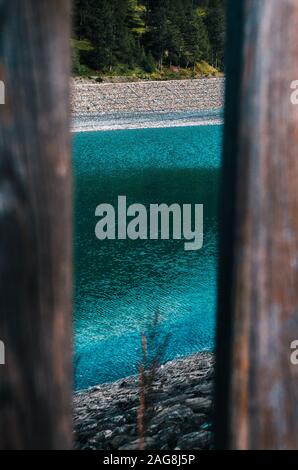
(119, 285)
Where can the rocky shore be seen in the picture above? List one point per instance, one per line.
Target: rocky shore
(105, 416)
(174, 95)
(110, 106)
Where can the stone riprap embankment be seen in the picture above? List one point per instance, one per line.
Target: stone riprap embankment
(150, 96)
(111, 106)
(105, 416)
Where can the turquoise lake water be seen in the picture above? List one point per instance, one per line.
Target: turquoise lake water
(120, 285)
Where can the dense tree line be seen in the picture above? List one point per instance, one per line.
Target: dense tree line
(148, 34)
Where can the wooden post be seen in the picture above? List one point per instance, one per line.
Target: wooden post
(35, 225)
(257, 386)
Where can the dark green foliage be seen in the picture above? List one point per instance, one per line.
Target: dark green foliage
(215, 22)
(149, 34)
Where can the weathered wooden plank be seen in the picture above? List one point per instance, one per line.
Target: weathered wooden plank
(35, 226)
(257, 386)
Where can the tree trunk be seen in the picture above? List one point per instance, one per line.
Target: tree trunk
(257, 393)
(35, 232)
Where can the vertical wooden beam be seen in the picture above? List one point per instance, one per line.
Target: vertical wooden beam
(233, 70)
(35, 225)
(257, 392)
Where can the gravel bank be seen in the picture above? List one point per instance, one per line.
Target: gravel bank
(105, 416)
(105, 106)
(175, 95)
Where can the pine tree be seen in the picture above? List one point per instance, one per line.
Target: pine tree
(195, 37)
(157, 29)
(215, 22)
(148, 33)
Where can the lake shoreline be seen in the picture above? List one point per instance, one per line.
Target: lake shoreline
(105, 416)
(110, 106)
(128, 121)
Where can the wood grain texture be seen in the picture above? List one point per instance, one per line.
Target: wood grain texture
(258, 310)
(35, 225)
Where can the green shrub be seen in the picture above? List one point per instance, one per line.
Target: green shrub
(205, 69)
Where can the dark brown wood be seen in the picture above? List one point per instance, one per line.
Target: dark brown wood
(35, 225)
(257, 386)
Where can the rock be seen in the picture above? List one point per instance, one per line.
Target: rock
(200, 419)
(105, 416)
(91, 99)
(194, 441)
(178, 399)
(107, 433)
(149, 445)
(118, 441)
(199, 404)
(171, 415)
(124, 383)
(206, 388)
(168, 436)
(127, 429)
(119, 420)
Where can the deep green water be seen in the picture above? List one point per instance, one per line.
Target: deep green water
(121, 284)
